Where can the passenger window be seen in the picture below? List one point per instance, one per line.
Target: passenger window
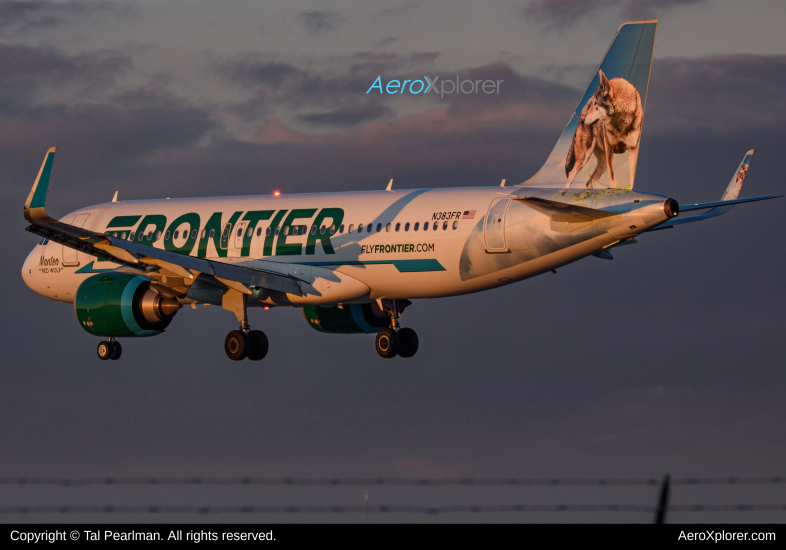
(406, 227)
(417, 226)
(341, 228)
(360, 228)
(225, 233)
(205, 233)
(425, 226)
(436, 224)
(444, 226)
(166, 235)
(259, 231)
(250, 232)
(379, 227)
(278, 230)
(322, 230)
(351, 228)
(313, 229)
(286, 230)
(239, 231)
(212, 233)
(387, 228)
(455, 224)
(131, 236)
(267, 232)
(149, 235)
(332, 229)
(398, 226)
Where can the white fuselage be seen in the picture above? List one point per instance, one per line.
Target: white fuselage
(423, 243)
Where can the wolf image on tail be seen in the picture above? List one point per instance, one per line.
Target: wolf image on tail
(616, 110)
(588, 141)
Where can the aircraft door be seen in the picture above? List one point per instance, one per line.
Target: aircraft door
(494, 228)
(238, 235)
(70, 257)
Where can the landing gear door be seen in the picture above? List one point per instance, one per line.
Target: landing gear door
(494, 228)
(70, 257)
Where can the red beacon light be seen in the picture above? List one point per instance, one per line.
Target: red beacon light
(276, 193)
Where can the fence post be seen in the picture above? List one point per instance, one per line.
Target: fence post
(663, 501)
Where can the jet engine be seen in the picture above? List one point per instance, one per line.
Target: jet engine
(122, 304)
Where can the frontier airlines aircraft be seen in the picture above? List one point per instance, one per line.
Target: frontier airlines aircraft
(355, 261)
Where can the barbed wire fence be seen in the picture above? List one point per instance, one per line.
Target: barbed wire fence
(660, 509)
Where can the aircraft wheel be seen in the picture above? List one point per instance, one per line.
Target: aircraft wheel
(116, 351)
(104, 350)
(236, 345)
(408, 342)
(387, 343)
(259, 345)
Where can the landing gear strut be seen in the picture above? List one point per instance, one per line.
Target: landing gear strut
(245, 343)
(109, 350)
(395, 340)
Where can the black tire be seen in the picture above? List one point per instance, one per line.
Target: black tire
(407, 342)
(104, 350)
(236, 345)
(259, 345)
(117, 351)
(387, 343)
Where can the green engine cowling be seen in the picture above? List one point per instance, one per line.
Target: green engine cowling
(122, 304)
(348, 319)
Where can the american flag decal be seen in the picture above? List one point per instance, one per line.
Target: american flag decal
(468, 215)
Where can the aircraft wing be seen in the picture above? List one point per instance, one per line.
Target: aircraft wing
(272, 276)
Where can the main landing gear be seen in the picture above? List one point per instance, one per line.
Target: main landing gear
(395, 340)
(246, 344)
(109, 350)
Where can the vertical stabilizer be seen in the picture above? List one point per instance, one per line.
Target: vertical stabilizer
(600, 145)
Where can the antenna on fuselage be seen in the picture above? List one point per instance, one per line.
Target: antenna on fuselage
(390, 185)
(114, 199)
(502, 184)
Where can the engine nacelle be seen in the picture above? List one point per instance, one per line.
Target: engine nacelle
(122, 304)
(348, 319)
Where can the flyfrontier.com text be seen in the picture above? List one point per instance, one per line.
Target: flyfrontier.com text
(433, 85)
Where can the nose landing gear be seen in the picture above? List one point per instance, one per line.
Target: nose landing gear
(395, 340)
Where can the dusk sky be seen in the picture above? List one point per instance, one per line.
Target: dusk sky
(668, 359)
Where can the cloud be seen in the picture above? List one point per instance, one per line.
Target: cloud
(29, 73)
(17, 15)
(565, 13)
(717, 95)
(335, 96)
(320, 20)
(346, 116)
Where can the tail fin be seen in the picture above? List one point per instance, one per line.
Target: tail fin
(606, 125)
(733, 190)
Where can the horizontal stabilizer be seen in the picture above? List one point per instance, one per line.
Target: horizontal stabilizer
(703, 205)
(561, 212)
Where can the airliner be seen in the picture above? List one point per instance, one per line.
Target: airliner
(355, 261)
